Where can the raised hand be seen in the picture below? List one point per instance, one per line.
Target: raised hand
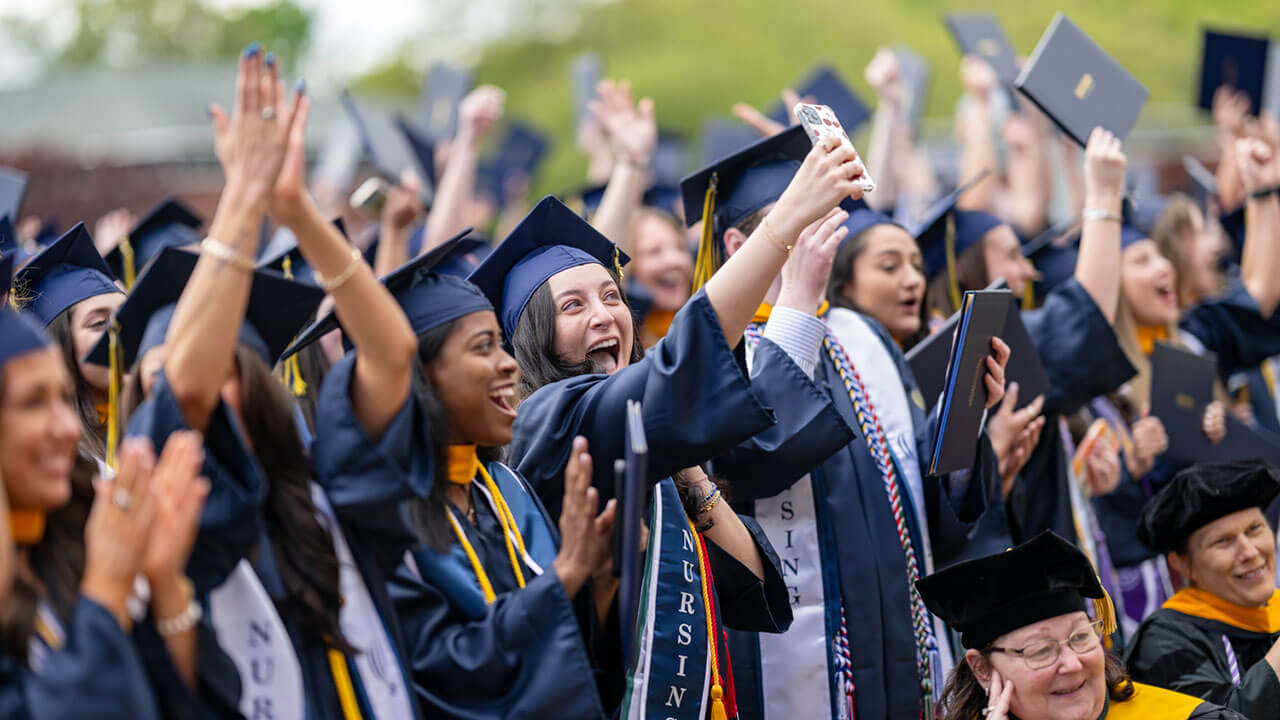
(630, 125)
(290, 201)
(1014, 434)
(1214, 423)
(884, 74)
(119, 529)
(479, 112)
(1149, 442)
(805, 274)
(1257, 164)
(1102, 468)
(999, 696)
(110, 228)
(995, 372)
(585, 537)
(1230, 109)
(829, 174)
(1104, 168)
(977, 77)
(404, 203)
(180, 493)
(251, 142)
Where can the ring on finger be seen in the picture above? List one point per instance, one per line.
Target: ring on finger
(121, 498)
(268, 112)
(987, 711)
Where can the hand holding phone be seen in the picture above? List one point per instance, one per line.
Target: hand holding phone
(820, 122)
(370, 197)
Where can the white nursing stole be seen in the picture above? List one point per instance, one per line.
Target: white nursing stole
(375, 661)
(251, 632)
(795, 670)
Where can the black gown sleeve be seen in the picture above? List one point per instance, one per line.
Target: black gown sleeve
(807, 431)
(231, 521)
(218, 691)
(524, 658)
(367, 479)
(747, 602)
(1232, 327)
(1170, 652)
(696, 400)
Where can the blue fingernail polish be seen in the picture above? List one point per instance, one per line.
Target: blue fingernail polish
(252, 50)
(301, 86)
(271, 59)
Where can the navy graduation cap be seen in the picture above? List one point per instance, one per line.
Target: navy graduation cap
(6, 276)
(722, 137)
(423, 149)
(862, 218)
(661, 197)
(523, 148)
(945, 233)
(429, 297)
(277, 309)
(13, 189)
(19, 331)
(550, 239)
(169, 224)
(826, 86)
(283, 255)
(730, 190)
(64, 273)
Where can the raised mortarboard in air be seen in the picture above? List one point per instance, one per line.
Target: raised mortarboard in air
(730, 190)
(1078, 85)
(826, 87)
(169, 224)
(981, 35)
(386, 145)
(987, 597)
(13, 189)
(1239, 61)
(64, 273)
(446, 86)
(722, 137)
(916, 81)
(1202, 494)
(584, 75)
(423, 148)
(20, 333)
(430, 298)
(523, 148)
(491, 181)
(550, 239)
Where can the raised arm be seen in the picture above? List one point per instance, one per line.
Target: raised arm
(1026, 135)
(824, 179)
(403, 206)
(479, 111)
(885, 76)
(977, 135)
(250, 144)
(1230, 112)
(371, 317)
(1098, 265)
(634, 132)
(1260, 262)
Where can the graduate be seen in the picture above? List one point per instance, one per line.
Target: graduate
(74, 641)
(484, 557)
(71, 290)
(575, 340)
(822, 420)
(1031, 650)
(285, 588)
(1217, 638)
(169, 224)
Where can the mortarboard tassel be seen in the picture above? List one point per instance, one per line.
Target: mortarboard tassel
(953, 285)
(1029, 294)
(1105, 611)
(126, 262)
(116, 361)
(708, 253)
(291, 372)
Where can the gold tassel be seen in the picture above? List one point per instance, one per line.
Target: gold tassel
(953, 285)
(1029, 295)
(1105, 611)
(617, 262)
(717, 704)
(709, 259)
(116, 369)
(291, 373)
(126, 262)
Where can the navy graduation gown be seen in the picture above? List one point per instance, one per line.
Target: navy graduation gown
(856, 524)
(96, 674)
(521, 656)
(233, 527)
(1083, 359)
(697, 404)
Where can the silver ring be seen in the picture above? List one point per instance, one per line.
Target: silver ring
(268, 112)
(987, 711)
(121, 498)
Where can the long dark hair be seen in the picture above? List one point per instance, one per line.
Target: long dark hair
(843, 275)
(964, 699)
(93, 434)
(971, 274)
(534, 342)
(428, 515)
(56, 563)
(303, 546)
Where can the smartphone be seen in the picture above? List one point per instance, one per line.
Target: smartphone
(369, 198)
(819, 122)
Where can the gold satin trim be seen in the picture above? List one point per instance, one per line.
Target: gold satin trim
(27, 526)
(658, 322)
(463, 463)
(1203, 604)
(765, 310)
(1150, 702)
(1149, 335)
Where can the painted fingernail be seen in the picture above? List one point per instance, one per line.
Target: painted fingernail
(301, 86)
(252, 50)
(271, 59)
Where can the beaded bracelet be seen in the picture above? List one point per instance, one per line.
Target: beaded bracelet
(185, 620)
(226, 253)
(710, 502)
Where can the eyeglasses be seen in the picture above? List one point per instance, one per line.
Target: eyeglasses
(1043, 653)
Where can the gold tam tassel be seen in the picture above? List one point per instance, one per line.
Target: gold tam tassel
(116, 370)
(953, 284)
(1105, 610)
(291, 372)
(127, 263)
(709, 259)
